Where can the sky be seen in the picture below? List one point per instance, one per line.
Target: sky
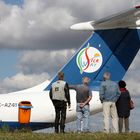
(36, 41)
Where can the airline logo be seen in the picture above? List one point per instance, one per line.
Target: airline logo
(89, 59)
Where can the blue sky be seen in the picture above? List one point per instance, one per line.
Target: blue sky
(8, 61)
(8, 57)
(34, 36)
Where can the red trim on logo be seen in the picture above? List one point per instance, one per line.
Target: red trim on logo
(88, 61)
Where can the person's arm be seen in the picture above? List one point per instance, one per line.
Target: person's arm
(67, 93)
(118, 93)
(102, 93)
(88, 100)
(50, 93)
(129, 96)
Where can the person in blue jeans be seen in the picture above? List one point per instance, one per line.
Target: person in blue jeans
(83, 97)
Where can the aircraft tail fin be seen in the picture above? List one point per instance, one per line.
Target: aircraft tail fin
(106, 50)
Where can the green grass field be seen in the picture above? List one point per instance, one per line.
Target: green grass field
(90, 136)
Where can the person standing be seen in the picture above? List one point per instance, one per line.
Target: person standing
(109, 94)
(59, 94)
(123, 107)
(83, 97)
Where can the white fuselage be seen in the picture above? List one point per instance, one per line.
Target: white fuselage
(43, 110)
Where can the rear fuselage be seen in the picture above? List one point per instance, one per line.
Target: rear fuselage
(42, 113)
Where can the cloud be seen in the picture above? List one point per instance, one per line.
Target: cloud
(39, 61)
(36, 26)
(21, 81)
(38, 66)
(40, 29)
(44, 24)
(132, 76)
(34, 68)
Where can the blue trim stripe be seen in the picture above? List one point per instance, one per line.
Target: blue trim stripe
(26, 107)
(32, 125)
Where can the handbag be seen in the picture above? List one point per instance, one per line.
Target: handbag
(132, 106)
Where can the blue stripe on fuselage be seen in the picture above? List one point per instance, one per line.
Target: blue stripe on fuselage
(31, 125)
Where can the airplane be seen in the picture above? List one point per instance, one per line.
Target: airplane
(112, 46)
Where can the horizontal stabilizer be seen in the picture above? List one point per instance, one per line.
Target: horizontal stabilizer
(126, 19)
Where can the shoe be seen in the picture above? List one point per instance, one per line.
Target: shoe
(62, 131)
(56, 131)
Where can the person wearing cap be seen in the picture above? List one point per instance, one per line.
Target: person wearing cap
(123, 107)
(109, 94)
(83, 97)
(59, 94)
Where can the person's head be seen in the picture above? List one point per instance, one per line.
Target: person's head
(86, 80)
(122, 84)
(60, 76)
(106, 76)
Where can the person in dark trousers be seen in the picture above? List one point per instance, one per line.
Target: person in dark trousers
(83, 97)
(123, 107)
(59, 94)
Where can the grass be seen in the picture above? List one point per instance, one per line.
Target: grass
(91, 136)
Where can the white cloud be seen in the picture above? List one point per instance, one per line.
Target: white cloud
(34, 23)
(35, 67)
(39, 66)
(43, 25)
(40, 61)
(21, 81)
(132, 76)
